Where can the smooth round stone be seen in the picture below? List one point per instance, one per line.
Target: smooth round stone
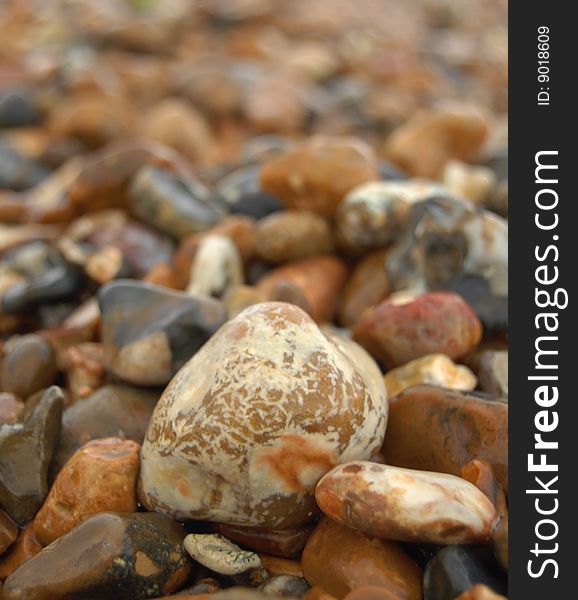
(19, 108)
(320, 278)
(18, 172)
(99, 477)
(399, 330)
(406, 505)
(292, 235)
(245, 430)
(285, 586)
(426, 142)
(114, 410)
(24, 549)
(146, 550)
(216, 268)
(149, 332)
(28, 365)
(317, 174)
(339, 559)
(164, 201)
(26, 450)
(8, 532)
(434, 369)
(376, 213)
(441, 430)
(454, 570)
(241, 191)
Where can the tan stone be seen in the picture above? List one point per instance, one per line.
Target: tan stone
(99, 477)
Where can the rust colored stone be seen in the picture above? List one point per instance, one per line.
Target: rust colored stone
(275, 565)
(162, 274)
(440, 430)
(99, 477)
(24, 549)
(317, 175)
(8, 532)
(480, 592)
(320, 279)
(367, 286)
(339, 559)
(372, 592)
(316, 593)
(400, 329)
(481, 474)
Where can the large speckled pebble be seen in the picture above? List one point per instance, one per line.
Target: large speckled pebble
(401, 329)
(110, 555)
(317, 174)
(406, 505)
(247, 427)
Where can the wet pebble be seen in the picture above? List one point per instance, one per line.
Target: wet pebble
(99, 477)
(149, 332)
(406, 505)
(404, 328)
(145, 550)
(26, 450)
(245, 376)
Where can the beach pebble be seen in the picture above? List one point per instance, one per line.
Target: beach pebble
(317, 174)
(401, 329)
(245, 430)
(432, 369)
(406, 505)
(99, 477)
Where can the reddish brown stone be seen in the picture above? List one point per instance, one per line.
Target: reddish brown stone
(339, 559)
(320, 279)
(481, 474)
(280, 566)
(400, 330)
(24, 549)
(440, 430)
(162, 274)
(316, 175)
(99, 477)
(8, 532)
(316, 593)
(372, 592)
(480, 592)
(367, 286)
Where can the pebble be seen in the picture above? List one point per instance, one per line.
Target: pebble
(223, 557)
(85, 371)
(371, 592)
(317, 174)
(480, 592)
(367, 286)
(450, 246)
(8, 532)
(339, 559)
(241, 191)
(455, 569)
(377, 213)
(145, 549)
(24, 549)
(26, 449)
(433, 369)
(474, 183)
(230, 439)
(149, 332)
(101, 476)
(10, 407)
(216, 268)
(442, 430)
(281, 566)
(28, 365)
(114, 410)
(406, 505)
(320, 278)
(286, 543)
(493, 373)
(481, 474)
(285, 586)
(292, 235)
(168, 203)
(428, 141)
(402, 329)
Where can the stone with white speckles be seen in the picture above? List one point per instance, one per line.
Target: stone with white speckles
(247, 427)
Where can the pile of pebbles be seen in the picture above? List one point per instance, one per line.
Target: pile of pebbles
(253, 300)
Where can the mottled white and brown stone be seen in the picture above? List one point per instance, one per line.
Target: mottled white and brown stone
(406, 505)
(247, 427)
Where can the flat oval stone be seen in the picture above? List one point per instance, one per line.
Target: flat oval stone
(399, 330)
(339, 559)
(454, 570)
(26, 450)
(406, 505)
(99, 477)
(110, 555)
(247, 427)
(149, 332)
(440, 430)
